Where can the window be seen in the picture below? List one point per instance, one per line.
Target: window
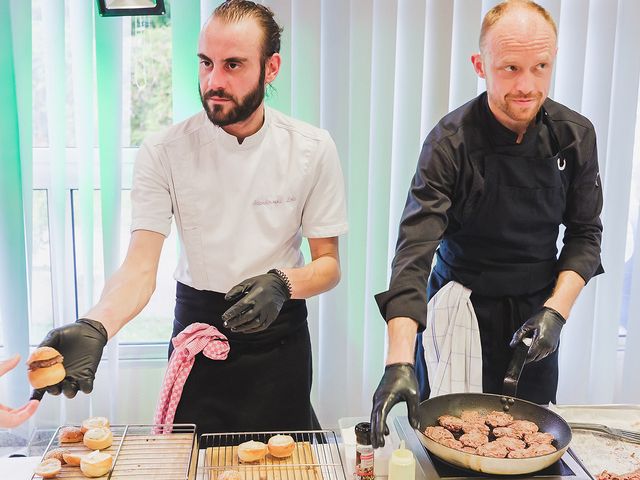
(633, 235)
(154, 323)
(40, 118)
(149, 61)
(41, 293)
(40, 55)
(147, 107)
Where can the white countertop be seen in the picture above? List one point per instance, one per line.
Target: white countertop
(18, 468)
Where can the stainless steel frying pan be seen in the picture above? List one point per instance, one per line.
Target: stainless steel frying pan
(454, 404)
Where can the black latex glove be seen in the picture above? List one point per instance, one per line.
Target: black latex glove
(81, 344)
(546, 325)
(258, 303)
(398, 383)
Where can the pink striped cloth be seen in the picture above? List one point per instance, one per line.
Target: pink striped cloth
(196, 338)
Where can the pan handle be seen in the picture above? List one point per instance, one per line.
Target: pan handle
(510, 385)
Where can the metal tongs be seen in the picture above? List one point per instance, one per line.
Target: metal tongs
(626, 435)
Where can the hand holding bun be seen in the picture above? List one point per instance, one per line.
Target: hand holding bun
(82, 344)
(281, 446)
(96, 464)
(98, 438)
(251, 451)
(45, 367)
(49, 468)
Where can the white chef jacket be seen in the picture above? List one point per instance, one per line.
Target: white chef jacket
(240, 209)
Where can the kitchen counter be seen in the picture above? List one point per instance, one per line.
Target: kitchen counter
(143, 455)
(597, 451)
(19, 468)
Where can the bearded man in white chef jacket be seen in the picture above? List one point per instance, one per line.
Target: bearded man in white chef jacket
(244, 184)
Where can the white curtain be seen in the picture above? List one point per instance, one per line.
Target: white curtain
(378, 74)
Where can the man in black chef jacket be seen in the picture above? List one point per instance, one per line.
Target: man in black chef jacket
(495, 179)
(244, 183)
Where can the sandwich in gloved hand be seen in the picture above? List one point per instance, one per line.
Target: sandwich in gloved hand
(45, 367)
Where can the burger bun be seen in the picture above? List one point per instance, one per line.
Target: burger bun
(281, 446)
(96, 464)
(41, 377)
(49, 468)
(251, 451)
(98, 438)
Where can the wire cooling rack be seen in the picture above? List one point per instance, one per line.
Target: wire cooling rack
(316, 456)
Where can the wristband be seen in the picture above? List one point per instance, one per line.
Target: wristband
(284, 278)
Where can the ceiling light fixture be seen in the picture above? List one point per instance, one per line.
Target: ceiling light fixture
(130, 8)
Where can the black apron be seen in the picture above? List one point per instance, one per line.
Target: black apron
(265, 382)
(505, 252)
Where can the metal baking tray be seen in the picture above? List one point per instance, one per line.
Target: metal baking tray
(597, 451)
(163, 452)
(316, 457)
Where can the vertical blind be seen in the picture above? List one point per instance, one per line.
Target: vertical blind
(378, 74)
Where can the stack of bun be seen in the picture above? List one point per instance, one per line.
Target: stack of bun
(96, 435)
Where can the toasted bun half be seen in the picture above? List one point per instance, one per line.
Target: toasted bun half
(281, 446)
(98, 438)
(251, 451)
(45, 377)
(95, 422)
(49, 468)
(43, 353)
(96, 464)
(72, 458)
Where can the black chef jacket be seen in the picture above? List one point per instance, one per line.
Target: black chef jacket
(449, 181)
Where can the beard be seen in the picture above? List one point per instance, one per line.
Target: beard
(240, 109)
(521, 115)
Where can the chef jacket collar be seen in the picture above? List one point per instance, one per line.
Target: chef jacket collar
(502, 136)
(251, 141)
